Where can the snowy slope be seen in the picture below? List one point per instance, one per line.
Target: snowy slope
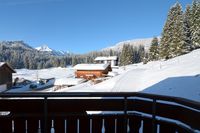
(179, 76)
(136, 42)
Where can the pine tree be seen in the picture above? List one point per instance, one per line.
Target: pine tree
(122, 55)
(178, 43)
(195, 23)
(141, 53)
(174, 39)
(166, 36)
(153, 50)
(40, 65)
(187, 30)
(26, 62)
(135, 55)
(111, 53)
(129, 56)
(74, 61)
(126, 56)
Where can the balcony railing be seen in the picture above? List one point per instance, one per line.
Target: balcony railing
(97, 113)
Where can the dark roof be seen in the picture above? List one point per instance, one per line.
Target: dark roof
(4, 64)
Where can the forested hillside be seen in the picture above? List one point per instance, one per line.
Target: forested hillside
(20, 55)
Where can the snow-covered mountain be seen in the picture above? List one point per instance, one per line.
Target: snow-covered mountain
(146, 42)
(45, 48)
(16, 45)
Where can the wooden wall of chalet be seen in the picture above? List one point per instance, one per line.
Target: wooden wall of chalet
(91, 74)
(5, 76)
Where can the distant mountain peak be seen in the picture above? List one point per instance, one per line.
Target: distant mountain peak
(44, 48)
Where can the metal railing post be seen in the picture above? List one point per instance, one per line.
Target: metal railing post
(154, 116)
(125, 114)
(45, 115)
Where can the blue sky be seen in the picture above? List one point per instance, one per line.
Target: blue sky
(81, 26)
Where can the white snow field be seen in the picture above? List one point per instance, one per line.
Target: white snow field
(44, 73)
(179, 76)
(60, 74)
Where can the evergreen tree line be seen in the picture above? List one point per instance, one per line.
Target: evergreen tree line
(130, 54)
(20, 55)
(181, 33)
(30, 59)
(89, 57)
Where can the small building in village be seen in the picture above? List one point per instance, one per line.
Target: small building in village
(112, 60)
(5, 76)
(91, 71)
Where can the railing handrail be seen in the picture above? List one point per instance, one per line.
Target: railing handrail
(126, 97)
(183, 101)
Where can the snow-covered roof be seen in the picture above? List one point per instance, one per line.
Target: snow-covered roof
(69, 81)
(4, 63)
(106, 58)
(91, 66)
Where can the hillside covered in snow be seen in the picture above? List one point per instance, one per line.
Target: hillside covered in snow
(179, 76)
(146, 42)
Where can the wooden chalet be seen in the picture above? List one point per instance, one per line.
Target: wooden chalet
(91, 71)
(5, 76)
